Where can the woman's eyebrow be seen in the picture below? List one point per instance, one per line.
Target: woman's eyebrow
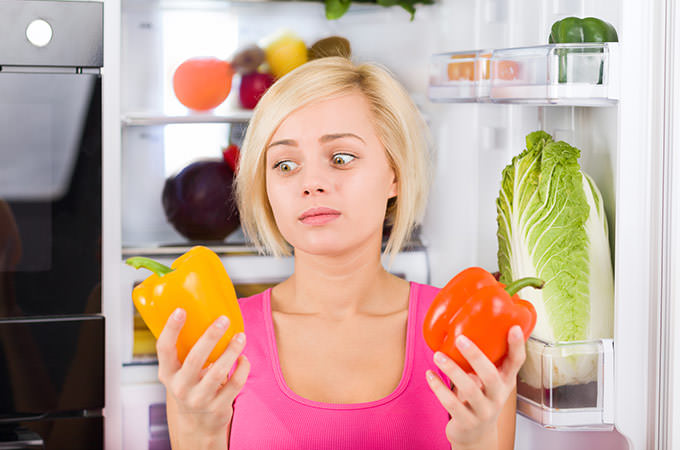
(329, 137)
(290, 142)
(323, 139)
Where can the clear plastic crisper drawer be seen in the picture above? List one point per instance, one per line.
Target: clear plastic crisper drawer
(569, 74)
(460, 76)
(568, 384)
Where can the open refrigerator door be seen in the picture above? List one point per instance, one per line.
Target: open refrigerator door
(484, 76)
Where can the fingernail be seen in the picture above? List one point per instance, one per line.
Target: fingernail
(439, 358)
(179, 314)
(222, 322)
(429, 375)
(462, 342)
(517, 332)
(240, 338)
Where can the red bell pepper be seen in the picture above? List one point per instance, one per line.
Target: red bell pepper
(473, 303)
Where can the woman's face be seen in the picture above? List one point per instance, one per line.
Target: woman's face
(328, 178)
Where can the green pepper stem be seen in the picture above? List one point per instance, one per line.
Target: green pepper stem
(520, 284)
(148, 263)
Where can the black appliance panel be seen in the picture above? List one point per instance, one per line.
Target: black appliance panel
(51, 366)
(50, 194)
(72, 433)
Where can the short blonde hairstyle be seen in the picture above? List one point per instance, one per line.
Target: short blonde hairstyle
(398, 124)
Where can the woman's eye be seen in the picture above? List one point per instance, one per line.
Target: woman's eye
(285, 166)
(342, 158)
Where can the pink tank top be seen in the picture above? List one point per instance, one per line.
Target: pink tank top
(269, 415)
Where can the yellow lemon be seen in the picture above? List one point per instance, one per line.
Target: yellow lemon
(285, 54)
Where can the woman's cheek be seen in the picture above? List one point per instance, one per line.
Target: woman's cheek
(277, 202)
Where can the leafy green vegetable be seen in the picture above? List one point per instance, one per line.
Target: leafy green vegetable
(552, 225)
(337, 8)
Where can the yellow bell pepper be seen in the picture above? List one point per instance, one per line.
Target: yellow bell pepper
(196, 282)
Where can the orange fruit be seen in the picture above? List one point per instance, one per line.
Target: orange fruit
(202, 83)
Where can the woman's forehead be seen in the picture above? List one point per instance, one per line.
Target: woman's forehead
(349, 113)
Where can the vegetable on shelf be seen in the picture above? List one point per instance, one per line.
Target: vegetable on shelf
(552, 224)
(202, 83)
(196, 282)
(337, 8)
(199, 201)
(462, 70)
(285, 52)
(575, 30)
(477, 67)
(248, 59)
(252, 88)
(330, 46)
(473, 303)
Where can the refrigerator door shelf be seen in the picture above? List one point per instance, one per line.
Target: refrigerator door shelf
(568, 385)
(554, 74)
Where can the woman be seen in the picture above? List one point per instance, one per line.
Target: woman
(335, 355)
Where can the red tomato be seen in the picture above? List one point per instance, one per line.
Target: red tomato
(202, 83)
(253, 87)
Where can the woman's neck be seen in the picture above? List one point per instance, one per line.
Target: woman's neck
(340, 286)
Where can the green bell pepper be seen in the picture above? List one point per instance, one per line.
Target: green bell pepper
(590, 29)
(575, 30)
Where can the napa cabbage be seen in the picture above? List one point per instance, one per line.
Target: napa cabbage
(552, 225)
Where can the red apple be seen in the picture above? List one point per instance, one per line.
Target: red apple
(253, 86)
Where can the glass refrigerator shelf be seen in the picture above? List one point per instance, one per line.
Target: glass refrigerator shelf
(151, 118)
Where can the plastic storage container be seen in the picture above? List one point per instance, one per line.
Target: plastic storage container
(568, 384)
(567, 74)
(460, 76)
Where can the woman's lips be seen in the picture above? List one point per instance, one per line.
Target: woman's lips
(319, 219)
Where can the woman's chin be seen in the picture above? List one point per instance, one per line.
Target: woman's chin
(331, 247)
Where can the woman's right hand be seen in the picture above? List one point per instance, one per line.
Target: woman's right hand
(200, 401)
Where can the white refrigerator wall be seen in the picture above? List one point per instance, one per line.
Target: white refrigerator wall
(472, 144)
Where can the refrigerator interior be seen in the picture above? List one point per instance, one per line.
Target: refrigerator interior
(472, 143)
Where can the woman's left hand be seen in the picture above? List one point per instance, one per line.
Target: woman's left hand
(475, 402)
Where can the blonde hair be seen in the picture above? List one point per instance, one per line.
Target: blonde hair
(398, 124)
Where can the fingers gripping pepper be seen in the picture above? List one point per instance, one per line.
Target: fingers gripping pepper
(473, 303)
(196, 282)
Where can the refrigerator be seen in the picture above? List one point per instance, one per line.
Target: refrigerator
(52, 348)
(618, 104)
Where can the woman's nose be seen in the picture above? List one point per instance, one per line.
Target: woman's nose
(315, 178)
(313, 189)
(313, 183)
